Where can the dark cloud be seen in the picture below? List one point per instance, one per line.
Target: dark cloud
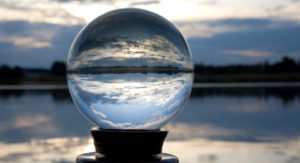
(60, 37)
(277, 38)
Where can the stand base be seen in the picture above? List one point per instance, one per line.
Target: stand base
(99, 158)
(128, 142)
(129, 146)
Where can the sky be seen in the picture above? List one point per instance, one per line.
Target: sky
(36, 33)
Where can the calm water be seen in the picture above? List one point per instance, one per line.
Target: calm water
(218, 125)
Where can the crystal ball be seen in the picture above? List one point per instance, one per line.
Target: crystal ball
(130, 69)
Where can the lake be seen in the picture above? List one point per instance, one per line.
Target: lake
(221, 123)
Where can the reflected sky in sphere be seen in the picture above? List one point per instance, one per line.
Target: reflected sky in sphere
(130, 100)
(130, 69)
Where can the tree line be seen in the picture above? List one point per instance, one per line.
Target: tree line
(286, 65)
(58, 68)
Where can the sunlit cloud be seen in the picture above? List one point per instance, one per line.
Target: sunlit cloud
(200, 10)
(80, 12)
(37, 11)
(247, 53)
(27, 42)
(208, 2)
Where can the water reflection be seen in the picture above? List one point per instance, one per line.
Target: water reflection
(36, 114)
(189, 150)
(207, 151)
(285, 94)
(60, 150)
(218, 125)
(8, 93)
(253, 119)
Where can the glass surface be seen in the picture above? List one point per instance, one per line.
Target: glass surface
(221, 123)
(130, 69)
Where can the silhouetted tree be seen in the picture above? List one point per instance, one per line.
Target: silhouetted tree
(58, 68)
(17, 72)
(5, 71)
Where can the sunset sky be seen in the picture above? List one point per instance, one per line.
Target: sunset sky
(35, 33)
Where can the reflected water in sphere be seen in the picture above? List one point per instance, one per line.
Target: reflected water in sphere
(130, 69)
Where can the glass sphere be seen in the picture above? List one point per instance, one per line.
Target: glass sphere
(130, 69)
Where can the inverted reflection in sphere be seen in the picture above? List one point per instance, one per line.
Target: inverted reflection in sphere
(130, 69)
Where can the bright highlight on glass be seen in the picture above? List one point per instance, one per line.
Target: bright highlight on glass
(130, 69)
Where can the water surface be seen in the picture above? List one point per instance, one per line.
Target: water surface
(221, 125)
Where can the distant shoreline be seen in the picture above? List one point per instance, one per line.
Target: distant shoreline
(195, 85)
(247, 77)
(198, 78)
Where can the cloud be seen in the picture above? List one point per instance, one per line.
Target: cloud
(142, 3)
(208, 2)
(83, 0)
(211, 28)
(247, 40)
(37, 11)
(25, 43)
(247, 53)
(82, 11)
(203, 30)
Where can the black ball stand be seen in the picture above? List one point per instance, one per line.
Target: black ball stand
(129, 146)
